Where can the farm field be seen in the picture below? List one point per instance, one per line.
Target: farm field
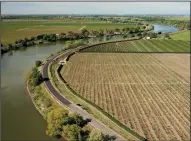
(185, 36)
(180, 18)
(14, 30)
(149, 93)
(142, 46)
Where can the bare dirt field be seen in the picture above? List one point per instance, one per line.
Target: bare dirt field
(149, 93)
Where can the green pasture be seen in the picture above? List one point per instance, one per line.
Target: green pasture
(185, 36)
(145, 46)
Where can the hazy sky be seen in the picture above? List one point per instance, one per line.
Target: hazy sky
(95, 8)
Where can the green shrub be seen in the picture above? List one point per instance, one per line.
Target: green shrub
(38, 63)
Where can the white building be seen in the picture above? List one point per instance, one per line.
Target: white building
(62, 62)
(148, 38)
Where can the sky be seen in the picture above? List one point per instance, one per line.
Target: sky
(120, 8)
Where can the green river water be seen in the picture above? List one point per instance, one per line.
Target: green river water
(19, 118)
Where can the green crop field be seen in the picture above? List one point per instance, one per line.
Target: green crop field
(14, 30)
(143, 46)
(185, 36)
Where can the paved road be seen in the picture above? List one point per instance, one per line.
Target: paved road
(74, 108)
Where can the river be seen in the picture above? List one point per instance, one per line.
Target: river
(20, 119)
(164, 28)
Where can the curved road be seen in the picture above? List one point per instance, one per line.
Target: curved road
(72, 107)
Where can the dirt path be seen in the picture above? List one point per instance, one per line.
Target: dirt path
(29, 28)
(82, 28)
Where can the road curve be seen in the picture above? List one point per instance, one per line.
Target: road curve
(72, 107)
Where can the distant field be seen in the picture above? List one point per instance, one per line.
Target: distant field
(181, 18)
(185, 36)
(14, 30)
(149, 93)
(142, 46)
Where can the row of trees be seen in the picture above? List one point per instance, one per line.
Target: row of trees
(39, 39)
(70, 126)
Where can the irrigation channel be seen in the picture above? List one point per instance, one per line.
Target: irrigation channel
(20, 120)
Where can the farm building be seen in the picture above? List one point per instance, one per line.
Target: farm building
(148, 37)
(62, 62)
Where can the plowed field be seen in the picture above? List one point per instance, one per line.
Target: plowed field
(149, 93)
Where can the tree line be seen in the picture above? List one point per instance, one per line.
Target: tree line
(42, 38)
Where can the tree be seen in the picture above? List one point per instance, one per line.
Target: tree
(159, 32)
(72, 132)
(68, 120)
(153, 35)
(62, 36)
(96, 135)
(54, 120)
(78, 119)
(143, 27)
(38, 63)
(26, 39)
(101, 32)
(70, 35)
(125, 36)
(20, 41)
(39, 37)
(85, 33)
(32, 38)
(35, 81)
(56, 116)
(124, 29)
(36, 77)
(117, 29)
(10, 46)
(144, 33)
(34, 72)
(52, 131)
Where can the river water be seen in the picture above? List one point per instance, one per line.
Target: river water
(20, 120)
(164, 28)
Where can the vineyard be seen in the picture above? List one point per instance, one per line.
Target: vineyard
(143, 46)
(149, 93)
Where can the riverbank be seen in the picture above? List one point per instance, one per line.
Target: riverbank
(35, 94)
(40, 98)
(31, 97)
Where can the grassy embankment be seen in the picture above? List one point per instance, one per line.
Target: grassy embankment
(184, 36)
(14, 30)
